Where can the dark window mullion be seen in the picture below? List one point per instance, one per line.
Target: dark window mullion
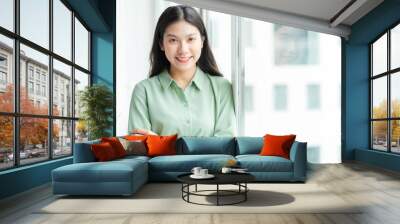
(389, 112)
(73, 83)
(16, 82)
(371, 99)
(50, 87)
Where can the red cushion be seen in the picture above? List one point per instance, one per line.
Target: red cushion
(161, 145)
(116, 145)
(136, 137)
(277, 145)
(103, 151)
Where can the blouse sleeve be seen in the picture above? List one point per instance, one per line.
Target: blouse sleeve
(138, 111)
(225, 119)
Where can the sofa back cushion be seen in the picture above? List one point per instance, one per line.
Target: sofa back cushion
(83, 152)
(206, 145)
(249, 145)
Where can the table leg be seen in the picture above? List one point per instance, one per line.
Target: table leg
(217, 194)
(245, 193)
(196, 188)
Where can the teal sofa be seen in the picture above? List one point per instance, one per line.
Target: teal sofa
(125, 176)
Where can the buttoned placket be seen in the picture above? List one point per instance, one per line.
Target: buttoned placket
(183, 96)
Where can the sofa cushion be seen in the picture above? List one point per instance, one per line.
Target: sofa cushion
(185, 163)
(275, 145)
(83, 153)
(111, 171)
(257, 163)
(161, 145)
(103, 152)
(206, 145)
(249, 145)
(116, 145)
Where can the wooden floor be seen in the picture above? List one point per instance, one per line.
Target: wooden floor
(377, 188)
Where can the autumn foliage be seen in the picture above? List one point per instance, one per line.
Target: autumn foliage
(380, 127)
(33, 130)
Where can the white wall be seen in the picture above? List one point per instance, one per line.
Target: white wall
(135, 27)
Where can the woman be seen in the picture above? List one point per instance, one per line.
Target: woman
(185, 93)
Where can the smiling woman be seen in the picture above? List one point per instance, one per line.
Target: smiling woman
(185, 93)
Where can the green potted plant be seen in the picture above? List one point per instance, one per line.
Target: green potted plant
(96, 103)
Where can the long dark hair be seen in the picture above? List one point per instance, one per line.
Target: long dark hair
(173, 14)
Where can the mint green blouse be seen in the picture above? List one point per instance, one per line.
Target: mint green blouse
(204, 108)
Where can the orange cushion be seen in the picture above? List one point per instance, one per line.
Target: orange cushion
(136, 137)
(103, 151)
(161, 145)
(277, 145)
(116, 145)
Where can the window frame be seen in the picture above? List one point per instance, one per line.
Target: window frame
(388, 74)
(16, 115)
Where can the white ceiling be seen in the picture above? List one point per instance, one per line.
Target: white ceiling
(319, 9)
(315, 15)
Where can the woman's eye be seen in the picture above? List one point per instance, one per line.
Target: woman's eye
(191, 39)
(172, 40)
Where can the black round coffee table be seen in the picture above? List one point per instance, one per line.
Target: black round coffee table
(238, 179)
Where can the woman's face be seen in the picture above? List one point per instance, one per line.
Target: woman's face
(182, 44)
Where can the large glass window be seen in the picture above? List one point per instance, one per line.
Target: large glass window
(291, 72)
(43, 112)
(385, 92)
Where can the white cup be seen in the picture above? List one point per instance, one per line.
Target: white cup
(196, 170)
(226, 170)
(203, 172)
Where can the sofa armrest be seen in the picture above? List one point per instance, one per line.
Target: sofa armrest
(298, 155)
(83, 152)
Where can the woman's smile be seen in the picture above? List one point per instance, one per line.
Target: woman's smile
(183, 60)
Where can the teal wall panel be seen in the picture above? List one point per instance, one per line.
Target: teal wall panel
(24, 178)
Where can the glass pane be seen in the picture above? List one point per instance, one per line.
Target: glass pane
(219, 34)
(379, 55)
(313, 97)
(34, 72)
(395, 136)
(293, 46)
(81, 81)
(379, 98)
(62, 141)
(7, 14)
(280, 97)
(395, 47)
(81, 131)
(276, 80)
(35, 21)
(81, 45)
(379, 135)
(395, 94)
(62, 89)
(6, 142)
(33, 139)
(6, 74)
(62, 29)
